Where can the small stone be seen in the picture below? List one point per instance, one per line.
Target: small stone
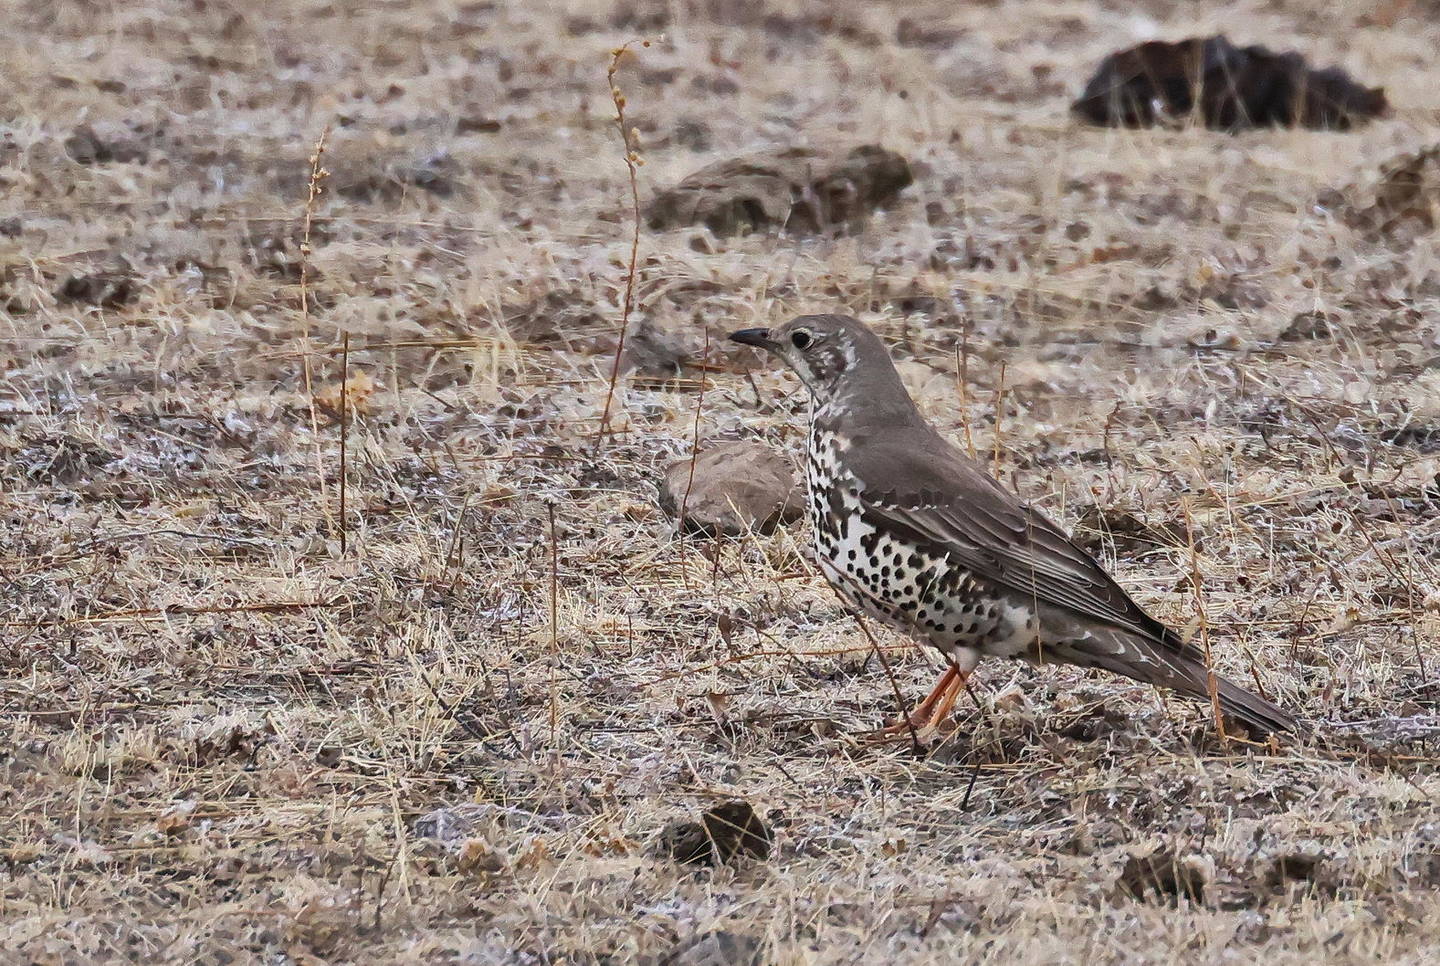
(737, 487)
(725, 832)
(1163, 876)
(1310, 325)
(85, 146)
(107, 290)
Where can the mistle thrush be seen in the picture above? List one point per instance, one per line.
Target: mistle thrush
(912, 532)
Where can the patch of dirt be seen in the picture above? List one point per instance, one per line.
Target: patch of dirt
(105, 289)
(1400, 206)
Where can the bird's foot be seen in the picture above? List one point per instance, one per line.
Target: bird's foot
(924, 722)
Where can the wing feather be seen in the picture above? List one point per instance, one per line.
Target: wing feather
(990, 532)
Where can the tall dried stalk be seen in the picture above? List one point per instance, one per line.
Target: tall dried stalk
(962, 379)
(694, 452)
(999, 416)
(879, 652)
(630, 139)
(344, 432)
(315, 186)
(1197, 585)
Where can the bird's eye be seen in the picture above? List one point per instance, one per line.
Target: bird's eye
(801, 339)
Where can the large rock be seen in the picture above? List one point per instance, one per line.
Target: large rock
(797, 189)
(737, 488)
(1230, 88)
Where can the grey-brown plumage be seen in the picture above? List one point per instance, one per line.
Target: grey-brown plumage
(915, 533)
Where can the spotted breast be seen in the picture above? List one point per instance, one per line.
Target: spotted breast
(904, 584)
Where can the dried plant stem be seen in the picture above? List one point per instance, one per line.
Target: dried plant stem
(1197, 585)
(344, 433)
(695, 452)
(885, 665)
(456, 550)
(779, 652)
(314, 188)
(178, 610)
(999, 417)
(632, 166)
(962, 377)
(1109, 454)
(554, 620)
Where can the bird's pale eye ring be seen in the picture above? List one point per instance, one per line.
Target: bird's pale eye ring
(801, 340)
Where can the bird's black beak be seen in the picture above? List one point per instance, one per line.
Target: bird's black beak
(759, 338)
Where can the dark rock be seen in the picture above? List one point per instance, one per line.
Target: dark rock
(796, 189)
(476, 124)
(85, 146)
(106, 290)
(654, 352)
(1310, 325)
(724, 833)
(1162, 876)
(1231, 88)
(1098, 526)
(560, 316)
(438, 175)
(910, 32)
(1401, 206)
(1306, 865)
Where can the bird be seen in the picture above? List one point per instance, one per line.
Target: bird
(914, 533)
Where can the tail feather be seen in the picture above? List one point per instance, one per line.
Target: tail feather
(1172, 663)
(1251, 708)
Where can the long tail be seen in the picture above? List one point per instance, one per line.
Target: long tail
(1245, 705)
(1172, 663)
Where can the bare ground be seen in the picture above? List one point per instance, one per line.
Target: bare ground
(222, 727)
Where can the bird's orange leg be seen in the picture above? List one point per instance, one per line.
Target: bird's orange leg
(936, 707)
(946, 704)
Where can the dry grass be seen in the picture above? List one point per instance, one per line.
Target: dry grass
(221, 729)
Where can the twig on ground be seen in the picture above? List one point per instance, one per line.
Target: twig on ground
(694, 455)
(1197, 586)
(180, 610)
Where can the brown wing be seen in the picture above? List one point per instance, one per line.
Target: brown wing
(953, 506)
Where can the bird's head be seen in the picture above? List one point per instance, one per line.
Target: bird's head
(832, 354)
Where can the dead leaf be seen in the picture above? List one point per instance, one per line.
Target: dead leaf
(356, 391)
